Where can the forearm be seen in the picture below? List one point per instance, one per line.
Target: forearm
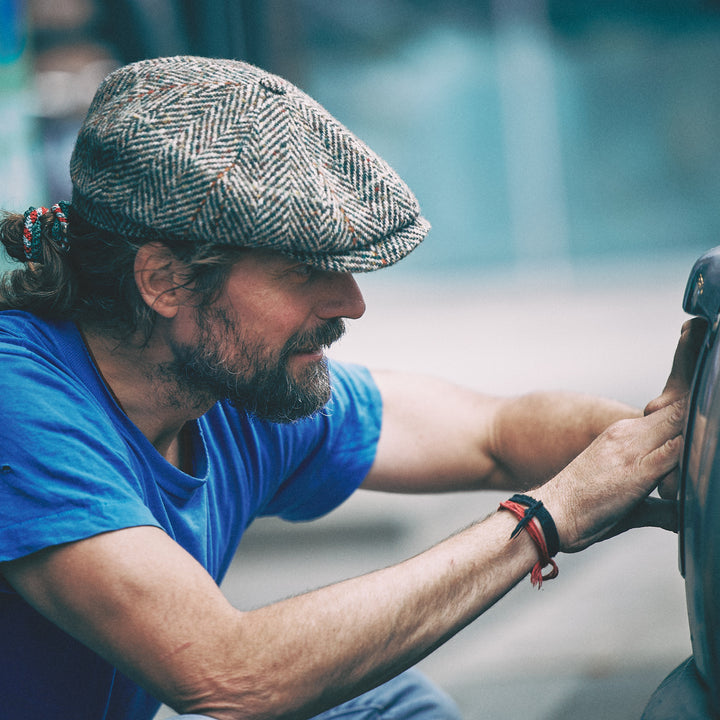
(440, 437)
(343, 639)
(164, 623)
(536, 435)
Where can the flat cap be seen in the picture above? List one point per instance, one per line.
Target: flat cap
(222, 152)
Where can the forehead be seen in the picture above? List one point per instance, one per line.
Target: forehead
(261, 265)
(264, 259)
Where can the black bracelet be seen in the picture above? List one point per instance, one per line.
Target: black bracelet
(535, 509)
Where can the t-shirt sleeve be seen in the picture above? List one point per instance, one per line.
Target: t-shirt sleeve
(345, 436)
(65, 473)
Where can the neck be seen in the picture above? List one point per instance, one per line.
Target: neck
(151, 400)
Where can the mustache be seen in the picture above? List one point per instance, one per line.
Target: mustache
(322, 336)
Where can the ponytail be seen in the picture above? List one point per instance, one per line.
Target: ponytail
(79, 272)
(40, 239)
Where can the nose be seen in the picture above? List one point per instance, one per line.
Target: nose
(341, 297)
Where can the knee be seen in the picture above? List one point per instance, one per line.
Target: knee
(409, 696)
(421, 699)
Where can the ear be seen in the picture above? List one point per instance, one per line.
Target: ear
(157, 276)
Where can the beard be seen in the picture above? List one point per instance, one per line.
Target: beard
(224, 365)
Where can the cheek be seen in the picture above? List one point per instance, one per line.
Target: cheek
(185, 327)
(274, 329)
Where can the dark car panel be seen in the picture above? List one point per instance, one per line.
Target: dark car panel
(699, 537)
(692, 690)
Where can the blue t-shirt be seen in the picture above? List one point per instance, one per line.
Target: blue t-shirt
(72, 465)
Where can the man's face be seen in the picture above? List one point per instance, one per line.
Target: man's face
(261, 344)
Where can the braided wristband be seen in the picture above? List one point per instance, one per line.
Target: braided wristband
(543, 533)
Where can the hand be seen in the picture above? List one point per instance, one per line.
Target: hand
(613, 476)
(678, 385)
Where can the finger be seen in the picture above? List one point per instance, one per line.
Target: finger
(654, 512)
(691, 341)
(662, 432)
(671, 414)
(664, 460)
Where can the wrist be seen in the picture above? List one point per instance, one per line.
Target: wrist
(563, 503)
(535, 520)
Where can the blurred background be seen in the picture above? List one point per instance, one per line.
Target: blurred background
(566, 153)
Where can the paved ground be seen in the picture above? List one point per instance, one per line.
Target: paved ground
(591, 645)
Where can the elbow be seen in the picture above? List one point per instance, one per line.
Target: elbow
(225, 700)
(238, 695)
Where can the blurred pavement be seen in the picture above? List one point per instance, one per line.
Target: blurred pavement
(592, 644)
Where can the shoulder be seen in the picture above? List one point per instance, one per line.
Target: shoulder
(355, 394)
(307, 467)
(25, 337)
(21, 326)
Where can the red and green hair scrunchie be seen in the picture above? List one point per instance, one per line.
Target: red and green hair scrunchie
(32, 230)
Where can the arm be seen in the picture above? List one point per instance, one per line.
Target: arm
(140, 601)
(437, 436)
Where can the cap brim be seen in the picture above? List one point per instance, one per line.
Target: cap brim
(374, 256)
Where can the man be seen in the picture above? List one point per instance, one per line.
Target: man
(164, 382)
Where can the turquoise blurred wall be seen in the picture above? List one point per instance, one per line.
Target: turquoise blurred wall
(537, 134)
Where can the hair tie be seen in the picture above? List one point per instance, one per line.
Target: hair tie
(58, 232)
(32, 230)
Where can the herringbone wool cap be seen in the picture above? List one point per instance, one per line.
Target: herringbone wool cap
(219, 151)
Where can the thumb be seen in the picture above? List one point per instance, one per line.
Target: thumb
(686, 355)
(651, 512)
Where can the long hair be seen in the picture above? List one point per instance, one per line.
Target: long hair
(94, 283)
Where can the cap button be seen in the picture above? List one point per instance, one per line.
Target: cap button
(274, 84)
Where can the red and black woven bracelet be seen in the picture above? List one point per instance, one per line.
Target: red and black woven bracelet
(544, 533)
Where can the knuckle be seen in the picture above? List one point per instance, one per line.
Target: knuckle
(621, 431)
(679, 410)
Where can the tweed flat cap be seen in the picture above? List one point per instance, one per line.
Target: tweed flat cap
(219, 151)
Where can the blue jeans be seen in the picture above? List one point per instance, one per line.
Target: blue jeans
(410, 695)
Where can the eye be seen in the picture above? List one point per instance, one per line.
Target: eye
(302, 270)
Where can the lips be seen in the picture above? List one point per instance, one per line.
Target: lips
(310, 352)
(311, 345)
